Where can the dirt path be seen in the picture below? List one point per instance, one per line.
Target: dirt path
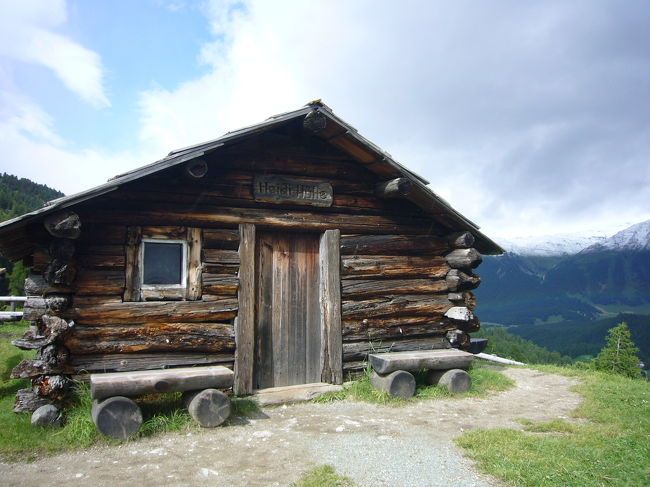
(375, 445)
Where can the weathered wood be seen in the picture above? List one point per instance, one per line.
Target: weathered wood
(314, 122)
(27, 401)
(245, 322)
(63, 225)
(34, 308)
(460, 281)
(196, 168)
(57, 302)
(218, 256)
(287, 219)
(54, 387)
(393, 266)
(60, 272)
(62, 249)
(461, 240)
(194, 267)
(397, 384)
(117, 417)
(459, 313)
(163, 294)
(456, 381)
(464, 258)
(133, 280)
(358, 289)
(384, 363)
(152, 337)
(124, 362)
(157, 381)
(224, 239)
(294, 393)
(282, 189)
(330, 301)
(177, 232)
(359, 350)
(394, 188)
(100, 261)
(7, 316)
(54, 329)
(36, 285)
(219, 284)
(100, 281)
(392, 244)
(458, 339)
(397, 328)
(466, 299)
(409, 305)
(209, 407)
(29, 368)
(153, 312)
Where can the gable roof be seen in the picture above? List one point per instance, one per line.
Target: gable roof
(337, 132)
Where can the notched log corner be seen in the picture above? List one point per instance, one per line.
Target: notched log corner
(63, 225)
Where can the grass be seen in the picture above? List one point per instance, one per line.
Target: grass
(19, 440)
(608, 446)
(323, 476)
(484, 380)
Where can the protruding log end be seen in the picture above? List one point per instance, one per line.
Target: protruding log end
(63, 225)
(196, 168)
(394, 188)
(461, 240)
(315, 121)
(460, 281)
(464, 258)
(397, 384)
(118, 417)
(209, 407)
(456, 381)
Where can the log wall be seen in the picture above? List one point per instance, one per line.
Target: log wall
(404, 283)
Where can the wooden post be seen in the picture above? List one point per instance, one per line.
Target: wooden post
(194, 268)
(245, 321)
(330, 300)
(399, 383)
(132, 290)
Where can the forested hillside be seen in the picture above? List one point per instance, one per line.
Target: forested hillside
(18, 196)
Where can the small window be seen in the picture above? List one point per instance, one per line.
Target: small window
(163, 263)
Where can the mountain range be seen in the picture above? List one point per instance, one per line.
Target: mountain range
(544, 285)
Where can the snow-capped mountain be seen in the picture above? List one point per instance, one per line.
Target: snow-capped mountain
(636, 237)
(550, 245)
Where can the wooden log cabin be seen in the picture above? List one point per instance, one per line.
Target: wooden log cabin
(287, 251)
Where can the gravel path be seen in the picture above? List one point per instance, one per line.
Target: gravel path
(374, 445)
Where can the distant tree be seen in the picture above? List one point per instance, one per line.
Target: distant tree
(17, 279)
(618, 356)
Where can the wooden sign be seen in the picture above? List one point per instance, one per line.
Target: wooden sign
(280, 189)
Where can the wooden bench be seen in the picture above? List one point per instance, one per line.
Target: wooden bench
(392, 370)
(117, 416)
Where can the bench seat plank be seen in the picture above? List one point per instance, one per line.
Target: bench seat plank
(385, 363)
(156, 381)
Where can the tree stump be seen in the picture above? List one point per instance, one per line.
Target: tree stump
(118, 417)
(456, 381)
(209, 407)
(397, 384)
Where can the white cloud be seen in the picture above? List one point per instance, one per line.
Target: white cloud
(520, 114)
(26, 35)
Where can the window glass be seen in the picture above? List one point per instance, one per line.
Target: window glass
(162, 263)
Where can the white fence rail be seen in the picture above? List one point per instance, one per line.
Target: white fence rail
(12, 315)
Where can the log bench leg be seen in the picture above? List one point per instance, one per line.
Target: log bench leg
(397, 384)
(209, 407)
(118, 417)
(456, 381)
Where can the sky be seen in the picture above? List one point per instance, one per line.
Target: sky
(529, 117)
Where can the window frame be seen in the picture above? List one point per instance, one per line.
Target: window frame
(184, 263)
(190, 288)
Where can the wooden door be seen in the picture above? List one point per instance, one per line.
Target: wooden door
(288, 314)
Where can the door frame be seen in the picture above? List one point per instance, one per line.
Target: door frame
(331, 356)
